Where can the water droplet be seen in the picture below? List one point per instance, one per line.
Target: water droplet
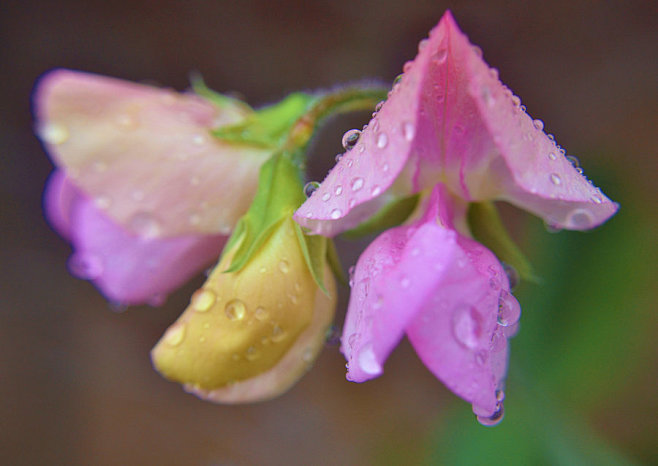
(338, 157)
(261, 313)
(175, 335)
(538, 124)
(509, 310)
(466, 326)
(375, 190)
(332, 336)
(597, 199)
(284, 266)
(580, 219)
(555, 179)
(573, 160)
(336, 213)
(350, 138)
(512, 275)
(408, 130)
(278, 334)
(357, 183)
(235, 309)
(145, 224)
(500, 395)
(252, 353)
(380, 104)
(203, 300)
(351, 203)
(368, 361)
(488, 98)
(86, 266)
(441, 55)
(422, 44)
(338, 190)
(382, 140)
(103, 202)
(480, 358)
(552, 156)
(477, 50)
(516, 100)
(350, 274)
(54, 133)
(310, 188)
(385, 167)
(326, 196)
(397, 80)
(495, 418)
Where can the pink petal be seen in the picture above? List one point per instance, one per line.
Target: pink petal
(450, 119)
(127, 268)
(142, 151)
(447, 292)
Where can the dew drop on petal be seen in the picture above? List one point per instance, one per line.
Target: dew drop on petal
(579, 219)
(278, 334)
(175, 335)
(252, 353)
(555, 179)
(339, 190)
(512, 275)
(203, 300)
(466, 326)
(509, 310)
(477, 50)
(198, 139)
(408, 130)
(338, 157)
(382, 140)
(145, 224)
(441, 55)
(336, 213)
(261, 313)
(368, 361)
(495, 418)
(516, 100)
(573, 160)
(86, 266)
(350, 138)
(235, 309)
(54, 133)
(357, 183)
(326, 196)
(597, 199)
(552, 156)
(538, 124)
(375, 190)
(284, 266)
(310, 188)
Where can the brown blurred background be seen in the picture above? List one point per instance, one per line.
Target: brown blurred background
(76, 384)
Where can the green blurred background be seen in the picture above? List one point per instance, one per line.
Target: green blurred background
(76, 382)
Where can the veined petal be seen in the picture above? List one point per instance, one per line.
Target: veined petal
(447, 292)
(141, 151)
(126, 268)
(449, 119)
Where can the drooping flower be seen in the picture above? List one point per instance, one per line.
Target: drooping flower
(449, 125)
(142, 190)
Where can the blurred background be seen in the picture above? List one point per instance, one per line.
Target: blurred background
(76, 383)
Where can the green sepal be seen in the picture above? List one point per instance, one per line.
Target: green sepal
(334, 262)
(269, 126)
(279, 194)
(389, 216)
(314, 249)
(487, 227)
(218, 100)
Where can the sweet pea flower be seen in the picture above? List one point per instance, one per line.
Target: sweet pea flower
(449, 126)
(141, 189)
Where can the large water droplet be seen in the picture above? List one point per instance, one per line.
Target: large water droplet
(86, 266)
(203, 300)
(382, 140)
(580, 219)
(555, 179)
(54, 133)
(573, 160)
(235, 309)
(466, 326)
(408, 130)
(310, 188)
(495, 418)
(145, 224)
(350, 138)
(357, 183)
(368, 361)
(175, 335)
(509, 310)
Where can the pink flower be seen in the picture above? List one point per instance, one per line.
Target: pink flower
(142, 190)
(449, 125)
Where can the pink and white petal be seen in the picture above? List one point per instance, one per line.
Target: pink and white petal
(131, 269)
(450, 119)
(142, 151)
(58, 198)
(392, 280)
(459, 333)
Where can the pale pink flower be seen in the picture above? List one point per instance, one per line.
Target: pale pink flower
(142, 190)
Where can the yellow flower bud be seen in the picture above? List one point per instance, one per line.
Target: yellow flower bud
(249, 335)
